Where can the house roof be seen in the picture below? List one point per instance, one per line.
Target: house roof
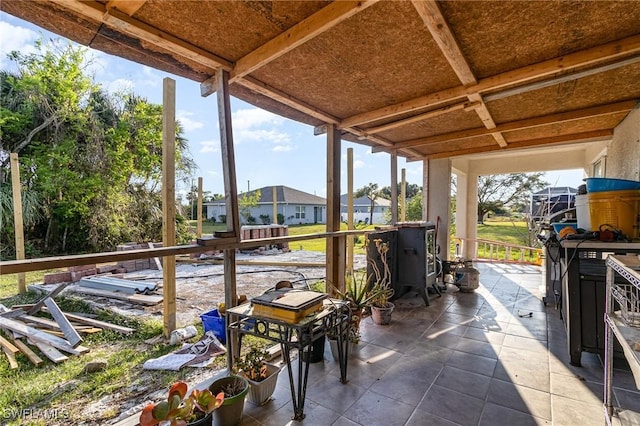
(556, 190)
(364, 201)
(425, 79)
(284, 195)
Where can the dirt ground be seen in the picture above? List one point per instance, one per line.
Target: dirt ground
(199, 288)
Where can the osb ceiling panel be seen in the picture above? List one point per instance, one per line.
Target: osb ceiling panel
(361, 64)
(458, 120)
(229, 29)
(53, 19)
(497, 36)
(599, 89)
(569, 127)
(451, 146)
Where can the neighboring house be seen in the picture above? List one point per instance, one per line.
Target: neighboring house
(296, 206)
(552, 199)
(362, 207)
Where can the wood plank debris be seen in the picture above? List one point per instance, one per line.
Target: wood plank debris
(50, 352)
(70, 333)
(52, 336)
(140, 299)
(26, 350)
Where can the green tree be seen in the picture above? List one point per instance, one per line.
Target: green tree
(498, 191)
(93, 160)
(411, 190)
(246, 202)
(372, 192)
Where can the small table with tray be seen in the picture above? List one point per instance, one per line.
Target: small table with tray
(333, 318)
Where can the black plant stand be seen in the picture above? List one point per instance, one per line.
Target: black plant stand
(334, 319)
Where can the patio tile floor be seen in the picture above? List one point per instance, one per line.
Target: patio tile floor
(467, 359)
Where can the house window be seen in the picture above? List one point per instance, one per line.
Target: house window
(300, 212)
(598, 167)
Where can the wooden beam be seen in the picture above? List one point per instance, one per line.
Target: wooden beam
(286, 99)
(583, 137)
(231, 199)
(36, 307)
(11, 357)
(127, 6)
(305, 30)
(169, 202)
(70, 333)
(50, 352)
(199, 214)
(430, 13)
(446, 40)
(349, 261)
(18, 229)
(403, 196)
(393, 157)
(559, 80)
(610, 52)
(8, 346)
(37, 335)
(121, 21)
(521, 124)
(26, 350)
(467, 106)
(333, 208)
(28, 265)
(97, 323)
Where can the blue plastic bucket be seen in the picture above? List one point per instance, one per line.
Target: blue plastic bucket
(212, 321)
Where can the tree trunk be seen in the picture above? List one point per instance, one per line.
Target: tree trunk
(371, 213)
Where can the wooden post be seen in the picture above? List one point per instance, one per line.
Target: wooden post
(335, 262)
(349, 266)
(17, 216)
(394, 187)
(403, 197)
(231, 199)
(274, 196)
(199, 216)
(169, 202)
(425, 190)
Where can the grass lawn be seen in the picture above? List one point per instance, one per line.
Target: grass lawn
(318, 244)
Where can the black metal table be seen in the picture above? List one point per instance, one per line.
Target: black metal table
(334, 319)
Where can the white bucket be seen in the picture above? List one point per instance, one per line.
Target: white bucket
(583, 214)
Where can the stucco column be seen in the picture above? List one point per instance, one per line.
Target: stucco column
(439, 200)
(471, 227)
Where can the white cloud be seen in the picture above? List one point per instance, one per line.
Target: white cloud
(358, 164)
(282, 148)
(187, 123)
(152, 79)
(209, 146)
(256, 125)
(120, 85)
(15, 38)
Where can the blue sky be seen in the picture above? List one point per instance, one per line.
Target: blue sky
(270, 150)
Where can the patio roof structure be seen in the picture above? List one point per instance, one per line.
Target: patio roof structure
(422, 79)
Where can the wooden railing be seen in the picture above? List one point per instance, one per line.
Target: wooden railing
(496, 251)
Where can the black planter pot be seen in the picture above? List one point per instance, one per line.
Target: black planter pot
(315, 351)
(205, 421)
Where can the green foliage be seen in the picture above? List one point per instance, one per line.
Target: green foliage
(265, 218)
(246, 202)
(498, 191)
(91, 162)
(252, 364)
(372, 192)
(280, 219)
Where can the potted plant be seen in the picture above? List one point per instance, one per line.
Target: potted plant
(381, 291)
(262, 376)
(235, 389)
(196, 409)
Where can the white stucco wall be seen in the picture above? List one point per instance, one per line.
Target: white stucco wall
(623, 153)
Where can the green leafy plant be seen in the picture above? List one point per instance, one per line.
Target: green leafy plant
(178, 410)
(253, 364)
